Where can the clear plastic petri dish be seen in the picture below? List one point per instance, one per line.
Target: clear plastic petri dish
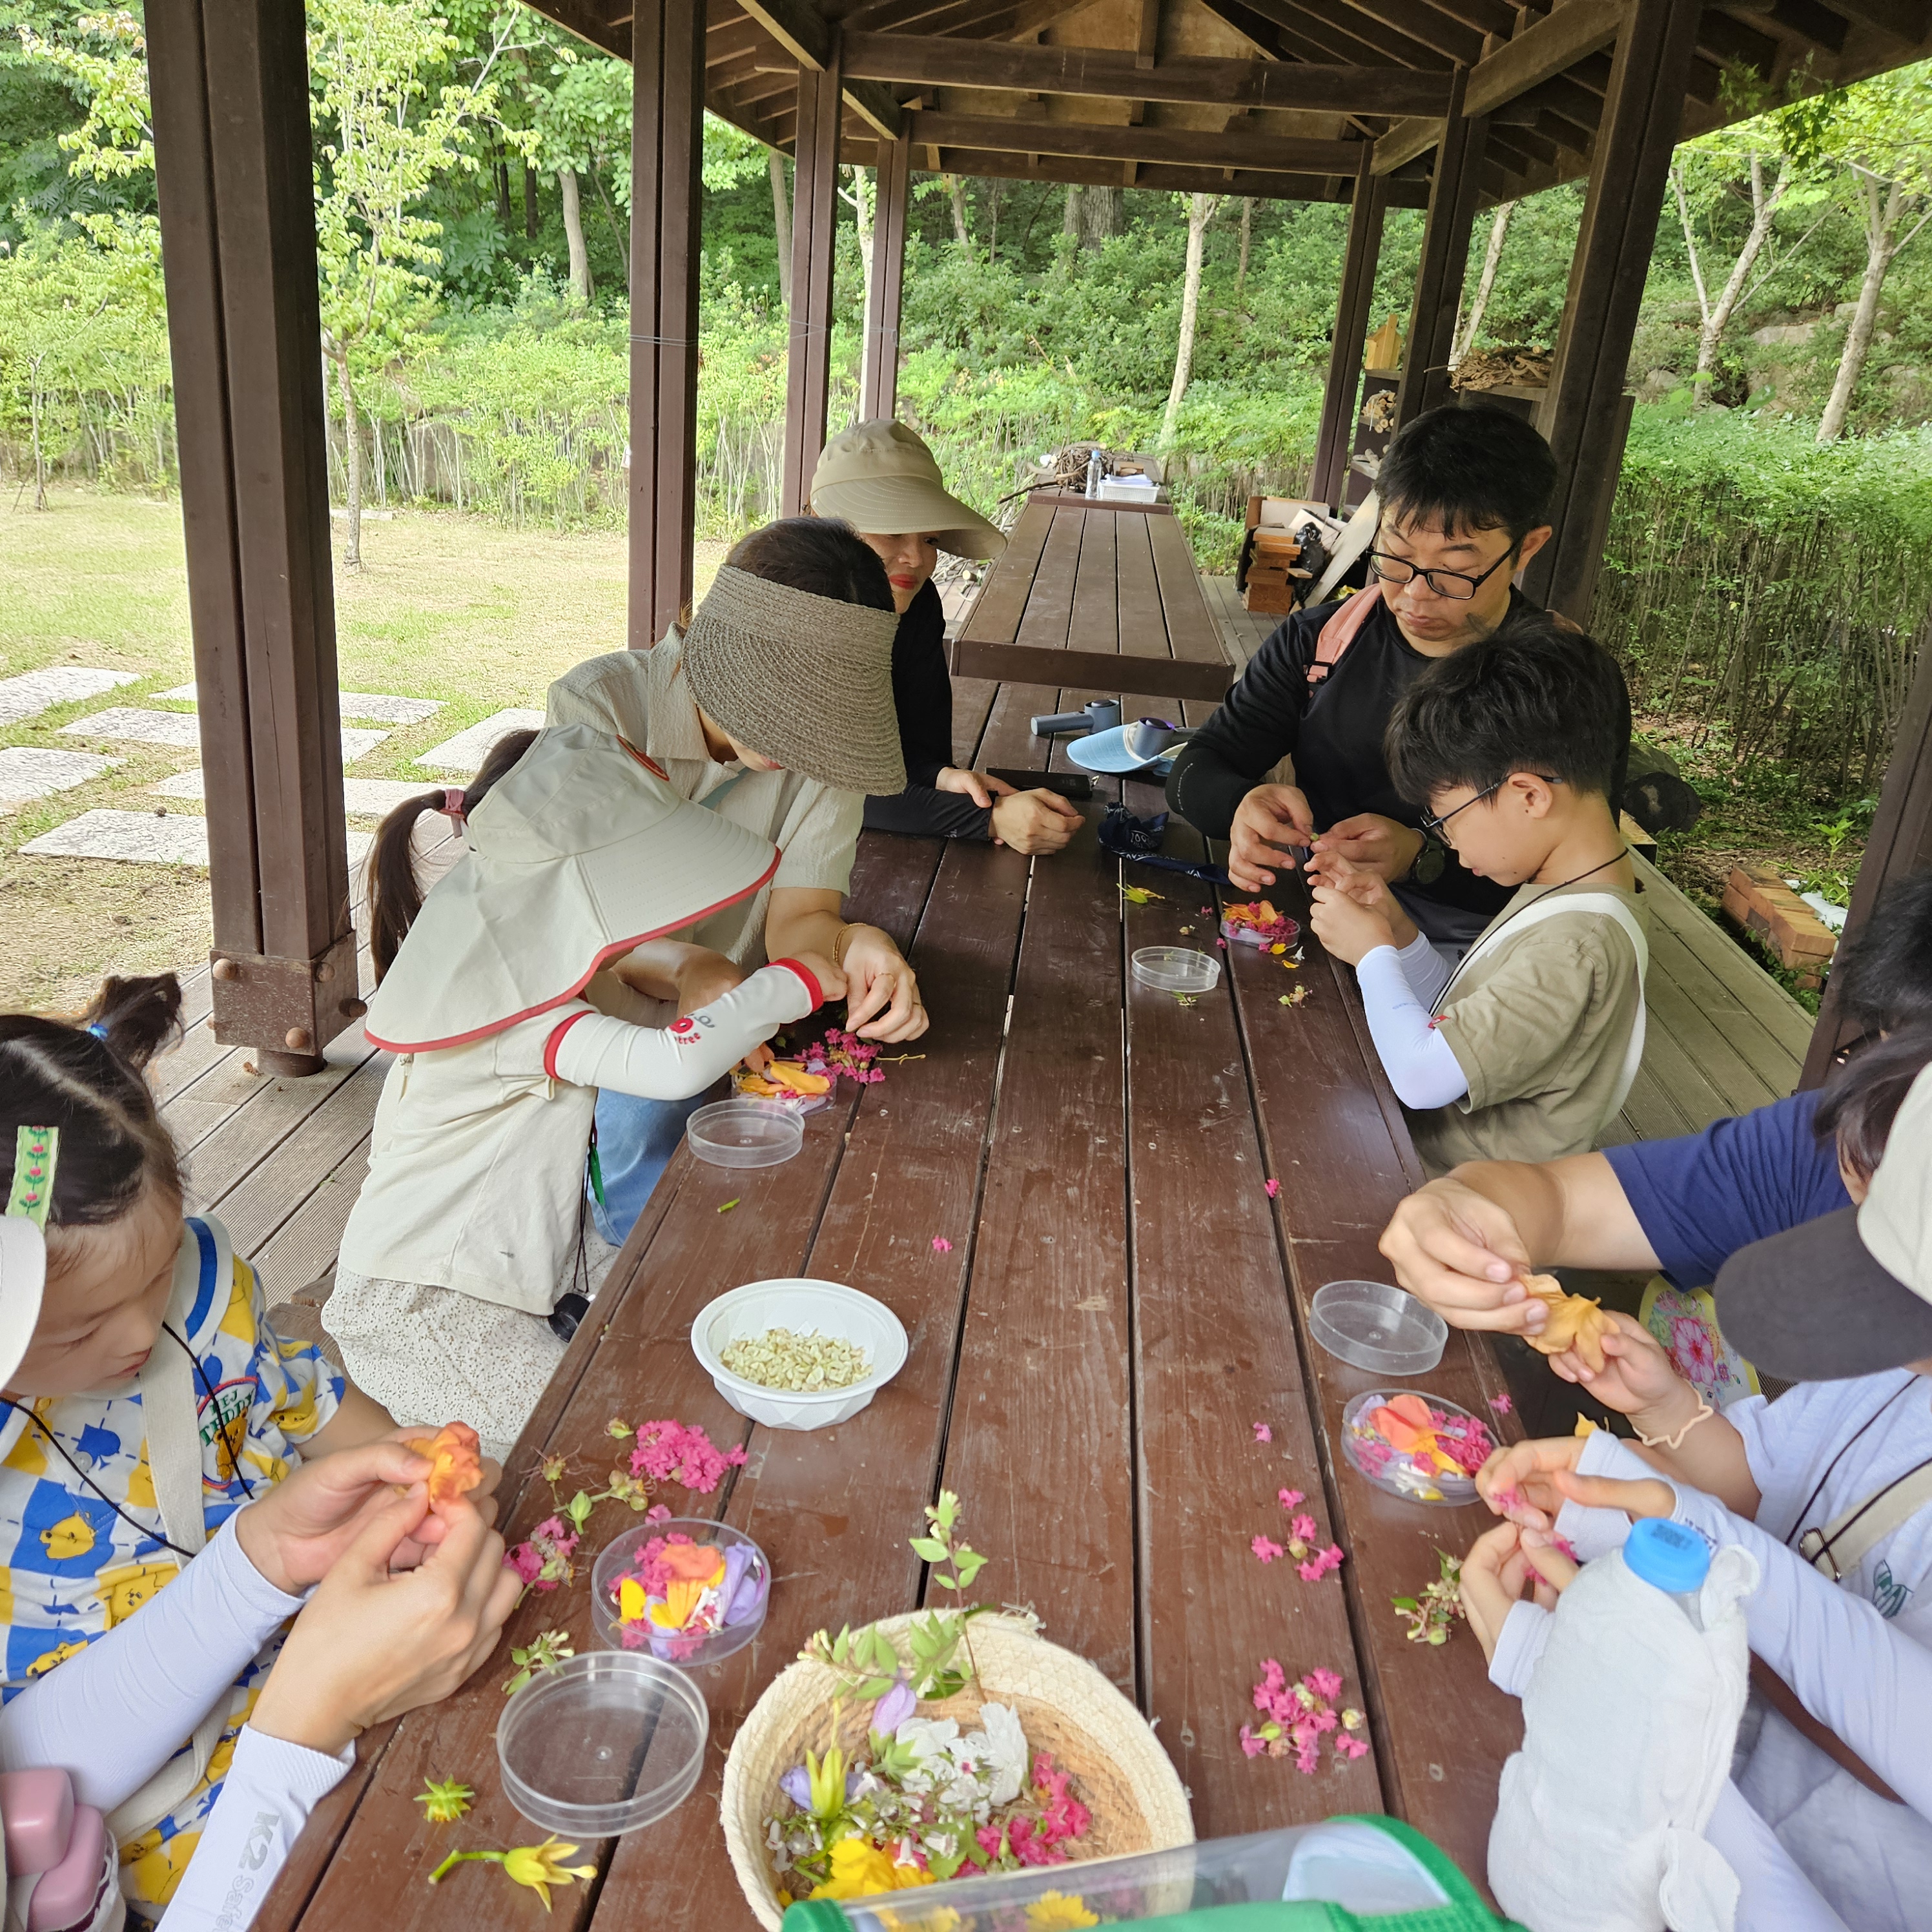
(1396, 1462)
(608, 1742)
(1373, 1326)
(744, 1133)
(746, 1591)
(1176, 969)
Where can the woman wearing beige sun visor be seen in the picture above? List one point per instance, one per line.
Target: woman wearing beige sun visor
(881, 479)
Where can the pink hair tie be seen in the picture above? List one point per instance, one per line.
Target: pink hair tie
(453, 804)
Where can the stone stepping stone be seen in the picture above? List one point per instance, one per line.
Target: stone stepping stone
(372, 704)
(142, 838)
(468, 749)
(362, 798)
(182, 729)
(28, 773)
(34, 691)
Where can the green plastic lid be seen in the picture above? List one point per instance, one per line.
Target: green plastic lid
(1464, 1910)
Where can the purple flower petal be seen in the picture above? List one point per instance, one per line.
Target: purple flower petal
(744, 1588)
(797, 1787)
(893, 1708)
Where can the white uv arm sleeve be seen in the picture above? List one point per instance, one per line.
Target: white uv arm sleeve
(1419, 1062)
(271, 1788)
(112, 1717)
(1856, 1674)
(673, 1063)
(1775, 1896)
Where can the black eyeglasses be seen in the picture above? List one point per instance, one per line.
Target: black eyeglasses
(1450, 584)
(1431, 827)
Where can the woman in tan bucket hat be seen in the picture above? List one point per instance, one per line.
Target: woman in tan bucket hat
(880, 478)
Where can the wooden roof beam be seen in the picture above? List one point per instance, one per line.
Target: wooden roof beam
(997, 165)
(1541, 52)
(1805, 22)
(1088, 71)
(1905, 22)
(803, 32)
(588, 21)
(1183, 146)
(1729, 43)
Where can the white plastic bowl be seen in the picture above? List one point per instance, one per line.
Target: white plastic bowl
(802, 1305)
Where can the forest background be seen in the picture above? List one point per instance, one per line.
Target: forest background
(1768, 581)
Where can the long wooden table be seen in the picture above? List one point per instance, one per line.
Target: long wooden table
(1122, 1302)
(1082, 584)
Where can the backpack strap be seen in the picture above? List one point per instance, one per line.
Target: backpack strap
(170, 1412)
(1841, 1545)
(1340, 632)
(1552, 905)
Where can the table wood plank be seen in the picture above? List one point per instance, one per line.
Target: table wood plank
(1192, 634)
(1040, 1400)
(995, 616)
(1049, 609)
(1096, 603)
(1143, 621)
(1441, 1730)
(1215, 1351)
(834, 1508)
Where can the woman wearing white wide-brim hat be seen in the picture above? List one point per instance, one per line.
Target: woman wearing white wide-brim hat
(880, 478)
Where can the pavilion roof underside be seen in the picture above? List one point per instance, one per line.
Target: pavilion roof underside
(1264, 97)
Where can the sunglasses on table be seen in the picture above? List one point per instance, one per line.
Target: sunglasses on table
(1453, 584)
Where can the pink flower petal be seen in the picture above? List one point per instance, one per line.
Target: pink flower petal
(1501, 1404)
(1288, 1499)
(940, 1245)
(1266, 1548)
(1274, 1187)
(1263, 1433)
(1350, 1748)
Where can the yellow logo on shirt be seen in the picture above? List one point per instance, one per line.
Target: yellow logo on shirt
(73, 1536)
(124, 1590)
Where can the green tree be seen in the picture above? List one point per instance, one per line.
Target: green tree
(1878, 135)
(392, 119)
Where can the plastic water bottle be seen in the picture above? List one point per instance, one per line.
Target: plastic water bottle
(1672, 1559)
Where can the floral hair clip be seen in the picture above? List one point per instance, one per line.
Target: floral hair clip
(36, 1155)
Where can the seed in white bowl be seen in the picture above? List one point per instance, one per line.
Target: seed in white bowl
(782, 1359)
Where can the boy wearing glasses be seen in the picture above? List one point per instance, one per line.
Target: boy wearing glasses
(1464, 497)
(1525, 1050)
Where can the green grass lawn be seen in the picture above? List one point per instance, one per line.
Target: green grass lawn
(446, 606)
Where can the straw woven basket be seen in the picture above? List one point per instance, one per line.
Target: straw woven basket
(1065, 1706)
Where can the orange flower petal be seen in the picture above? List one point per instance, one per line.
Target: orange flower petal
(455, 1456)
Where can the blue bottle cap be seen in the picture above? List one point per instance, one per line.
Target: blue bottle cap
(1665, 1553)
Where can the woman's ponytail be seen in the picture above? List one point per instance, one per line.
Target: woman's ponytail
(394, 896)
(136, 1017)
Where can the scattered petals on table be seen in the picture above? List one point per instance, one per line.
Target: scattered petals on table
(940, 1245)
(1266, 1548)
(1273, 1187)
(1263, 1433)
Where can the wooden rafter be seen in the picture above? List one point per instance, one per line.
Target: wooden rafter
(908, 59)
(1184, 146)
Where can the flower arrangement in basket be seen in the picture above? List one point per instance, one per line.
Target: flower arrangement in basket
(935, 1746)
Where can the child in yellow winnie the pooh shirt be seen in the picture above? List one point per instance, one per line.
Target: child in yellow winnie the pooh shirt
(146, 1313)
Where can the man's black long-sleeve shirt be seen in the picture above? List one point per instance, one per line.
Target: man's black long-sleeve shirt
(1333, 729)
(922, 698)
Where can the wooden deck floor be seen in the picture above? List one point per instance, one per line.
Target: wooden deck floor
(280, 1161)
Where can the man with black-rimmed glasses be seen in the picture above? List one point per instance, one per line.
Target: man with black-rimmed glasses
(1465, 495)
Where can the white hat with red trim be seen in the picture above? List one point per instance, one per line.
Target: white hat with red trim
(580, 852)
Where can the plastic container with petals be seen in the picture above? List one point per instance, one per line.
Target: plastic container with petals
(1176, 969)
(1393, 1458)
(1373, 1326)
(742, 1597)
(608, 1742)
(745, 1133)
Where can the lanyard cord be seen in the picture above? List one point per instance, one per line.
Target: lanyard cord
(1524, 907)
(87, 1482)
(1798, 1521)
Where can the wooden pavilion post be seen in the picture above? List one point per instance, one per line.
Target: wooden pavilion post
(1337, 434)
(666, 180)
(1445, 256)
(815, 228)
(879, 369)
(1900, 844)
(1585, 413)
(233, 176)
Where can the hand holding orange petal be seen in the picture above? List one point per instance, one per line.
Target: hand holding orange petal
(1575, 1322)
(455, 1454)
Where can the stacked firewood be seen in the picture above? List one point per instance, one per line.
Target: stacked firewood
(1274, 571)
(1518, 368)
